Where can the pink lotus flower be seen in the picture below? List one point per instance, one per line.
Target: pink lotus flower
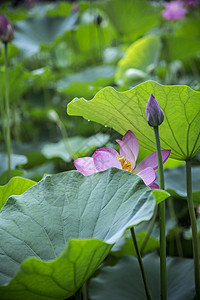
(105, 158)
(174, 10)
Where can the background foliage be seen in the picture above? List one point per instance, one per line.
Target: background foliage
(64, 50)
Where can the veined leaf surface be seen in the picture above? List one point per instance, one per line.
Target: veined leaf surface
(55, 235)
(124, 111)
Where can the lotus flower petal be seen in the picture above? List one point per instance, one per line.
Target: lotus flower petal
(85, 165)
(151, 161)
(110, 150)
(126, 152)
(148, 176)
(154, 186)
(130, 140)
(104, 160)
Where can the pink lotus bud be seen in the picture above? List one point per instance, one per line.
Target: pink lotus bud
(154, 113)
(6, 29)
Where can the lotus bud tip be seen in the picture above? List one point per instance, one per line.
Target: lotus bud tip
(6, 29)
(155, 115)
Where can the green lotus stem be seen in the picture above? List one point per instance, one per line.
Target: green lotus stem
(7, 108)
(163, 276)
(195, 239)
(84, 291)
(2, 109)
(149, 229)
(140, 264)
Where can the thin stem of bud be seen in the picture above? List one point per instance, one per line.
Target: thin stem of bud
(163, 276)
(195, 238)
(8, 139)
(140, 264)
(149, 230)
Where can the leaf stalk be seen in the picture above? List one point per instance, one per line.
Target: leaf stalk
(163, 272)
(7, 108)
(195, 239)
(140, 264)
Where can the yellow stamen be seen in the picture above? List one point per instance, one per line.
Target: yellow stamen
(126, 165)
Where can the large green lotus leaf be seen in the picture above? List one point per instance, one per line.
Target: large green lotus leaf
(124, 280)
(16, 186)
(143, 14)
(124, 111)
(58, 278)
(42, 222)
(175, 182)
(73, 147)
(142, 55)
